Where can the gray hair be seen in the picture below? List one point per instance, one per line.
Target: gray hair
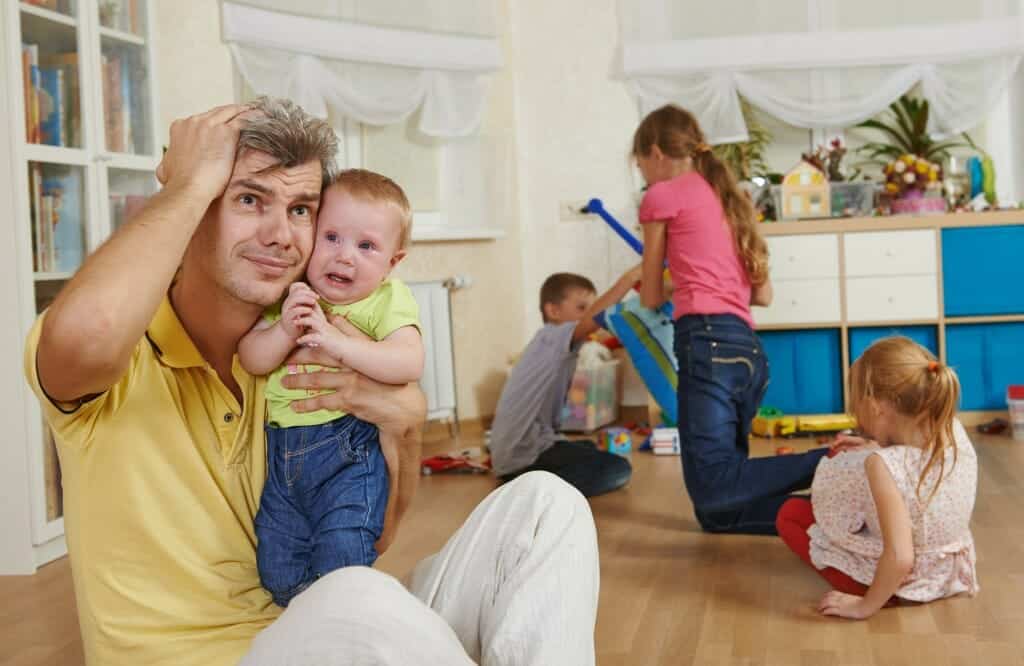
(290, 135)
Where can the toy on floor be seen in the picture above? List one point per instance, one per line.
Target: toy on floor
(465, 461)
(773, 426)
(785, 451)
(665, 442)
(770, 422)
(617, 440)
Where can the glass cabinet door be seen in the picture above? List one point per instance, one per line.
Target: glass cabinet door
(124, 71)
(51, 73)
(127, 191)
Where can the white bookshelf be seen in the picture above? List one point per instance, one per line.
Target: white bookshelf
(88, 166)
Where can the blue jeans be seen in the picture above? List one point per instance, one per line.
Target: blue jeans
(323, 504)
(723, 374)
(581, 464)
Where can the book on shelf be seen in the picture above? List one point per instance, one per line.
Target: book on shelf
(57, 220)
(68, 64)
(30, 73)
(51, 94)
(123, 15)
(51, 107)
(118, 93)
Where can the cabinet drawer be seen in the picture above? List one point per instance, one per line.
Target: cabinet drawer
(801, 302)
(806, 256)
(981, 269)
(890, 253)
(889, 299)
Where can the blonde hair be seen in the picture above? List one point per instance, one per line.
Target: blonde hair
(909, 378)
(370, 186)
(677, 134)
(289, 135)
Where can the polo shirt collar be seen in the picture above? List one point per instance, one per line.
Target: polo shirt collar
(173, 345)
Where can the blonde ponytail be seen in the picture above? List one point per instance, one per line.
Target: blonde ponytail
(905, 375)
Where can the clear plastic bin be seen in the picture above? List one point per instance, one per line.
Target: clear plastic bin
(593, 399)
(853, 199)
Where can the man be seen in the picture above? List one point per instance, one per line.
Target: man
(160, 436)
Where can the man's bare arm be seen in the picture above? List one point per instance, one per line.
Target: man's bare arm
(97, 319)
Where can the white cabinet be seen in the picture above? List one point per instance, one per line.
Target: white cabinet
(79, 150)
(804, 257)
(890, 253)
(805, 279)
(885, 276)
(904, 298)
(891, 276)
(801, 302)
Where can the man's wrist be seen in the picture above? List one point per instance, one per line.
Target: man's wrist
(192, 193)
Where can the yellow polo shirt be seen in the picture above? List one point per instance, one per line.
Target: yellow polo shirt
(162, 477)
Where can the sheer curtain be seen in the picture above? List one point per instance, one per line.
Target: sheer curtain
(374, 62)
(821, 63)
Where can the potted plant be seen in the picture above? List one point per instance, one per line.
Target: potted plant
(910, 158)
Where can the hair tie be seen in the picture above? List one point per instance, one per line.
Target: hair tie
(702, 148)
(933, 366)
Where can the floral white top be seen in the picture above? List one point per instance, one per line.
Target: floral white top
(846, 534)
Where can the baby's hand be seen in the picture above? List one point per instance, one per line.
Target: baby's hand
(301, 300)
(321, 333)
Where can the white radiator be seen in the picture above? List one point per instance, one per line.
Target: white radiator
(438, 381)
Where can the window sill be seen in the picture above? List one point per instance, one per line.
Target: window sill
(433, 234)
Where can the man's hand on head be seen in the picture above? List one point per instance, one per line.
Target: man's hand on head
(201, 154)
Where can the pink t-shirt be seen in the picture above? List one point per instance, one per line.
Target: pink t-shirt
(706, 270)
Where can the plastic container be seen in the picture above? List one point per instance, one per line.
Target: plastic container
(1015, 403)
(593, 399)
(853, 199)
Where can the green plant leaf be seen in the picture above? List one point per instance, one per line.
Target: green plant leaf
(898, 138)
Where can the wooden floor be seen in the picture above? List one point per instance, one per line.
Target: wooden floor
(672, 595)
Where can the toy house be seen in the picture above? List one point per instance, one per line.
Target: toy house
(804, 193)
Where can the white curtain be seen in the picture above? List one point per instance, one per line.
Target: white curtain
(821, 63)
(340, 55)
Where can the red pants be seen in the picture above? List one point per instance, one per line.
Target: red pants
(794, 518)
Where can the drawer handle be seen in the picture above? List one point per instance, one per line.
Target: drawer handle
(793, 302)
(888, 253)
(890, 299)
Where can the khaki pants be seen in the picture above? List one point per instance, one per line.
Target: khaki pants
(516, 585)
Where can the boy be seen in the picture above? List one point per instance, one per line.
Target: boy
(524, 435)
(327, 485)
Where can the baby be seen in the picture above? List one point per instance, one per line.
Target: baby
(326, 493)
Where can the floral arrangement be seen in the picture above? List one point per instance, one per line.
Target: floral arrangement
(829, 160)
(911, 174)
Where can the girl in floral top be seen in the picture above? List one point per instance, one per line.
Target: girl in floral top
(889, 515)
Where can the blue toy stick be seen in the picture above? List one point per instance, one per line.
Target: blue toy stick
(595, 206)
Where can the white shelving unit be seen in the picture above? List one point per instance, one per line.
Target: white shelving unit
(89, 165)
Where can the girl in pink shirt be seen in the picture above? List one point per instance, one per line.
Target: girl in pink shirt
(695, 215)
(889, 516)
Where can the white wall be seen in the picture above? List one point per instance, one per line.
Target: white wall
(574, 130)
(193, 65)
